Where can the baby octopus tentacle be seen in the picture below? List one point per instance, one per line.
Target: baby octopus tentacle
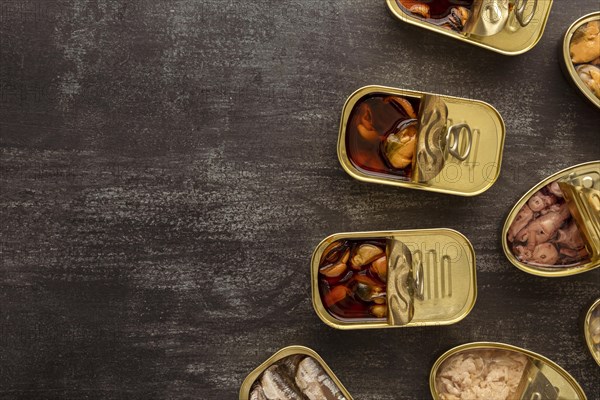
(403, 104)
(542, 229)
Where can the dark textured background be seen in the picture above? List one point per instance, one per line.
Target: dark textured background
(167, 168)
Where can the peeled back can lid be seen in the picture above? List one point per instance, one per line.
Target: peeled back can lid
(438, 140)
(488, 17)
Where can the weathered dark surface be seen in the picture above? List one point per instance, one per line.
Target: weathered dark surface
(167, 168)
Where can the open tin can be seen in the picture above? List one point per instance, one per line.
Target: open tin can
(504, 26)
(385, 279)
(591, 328)
(293, 372)
(554, 229)
(500, 371)
(581, 56)
(421, 141)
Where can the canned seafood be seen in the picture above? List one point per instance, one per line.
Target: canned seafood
(592, 330)
(486, 370)
(504, 26)
(384, 279)
(294, 372)
(421, 141)
(581, 56)
(554, 229)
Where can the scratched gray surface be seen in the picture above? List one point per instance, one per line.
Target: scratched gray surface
(167, 168)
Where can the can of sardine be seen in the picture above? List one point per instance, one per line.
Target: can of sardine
(504, 26)
(486, 370)
(554, 229)
(421, 141)
(294, 372)
(591, 328)
(385, 279)
(581, 56)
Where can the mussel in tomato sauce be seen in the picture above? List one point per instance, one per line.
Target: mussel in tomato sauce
(352, 279)
(381, 137)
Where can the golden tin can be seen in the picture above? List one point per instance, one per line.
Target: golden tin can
(500, 370)
(421, 141)
(504, 26)
(592, 330)
(311, 375)
(581, 56)
(554, 229)
(385, 279)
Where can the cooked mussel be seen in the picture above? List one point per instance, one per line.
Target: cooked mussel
(365, 254)
(399, 147)
(367, 289)
(379, 311)
(353, 281)
(334, 252)
(585, 45)
(333, 270)
(590, 75)
(379, 268)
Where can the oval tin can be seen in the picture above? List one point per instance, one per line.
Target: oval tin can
(591, 328)
(430, 278)
(567, 64)
(571, 224)
(282, 354)
(541, 377)
(458, 142)
(496, 25)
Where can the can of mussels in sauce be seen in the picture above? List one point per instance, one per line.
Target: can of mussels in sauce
(554, 229)
(421, 141)
(504, 26)
(487, 370)
(294, 372)
(393, 279)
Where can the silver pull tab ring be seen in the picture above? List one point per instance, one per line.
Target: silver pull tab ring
(453, 140)
(520, 6)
